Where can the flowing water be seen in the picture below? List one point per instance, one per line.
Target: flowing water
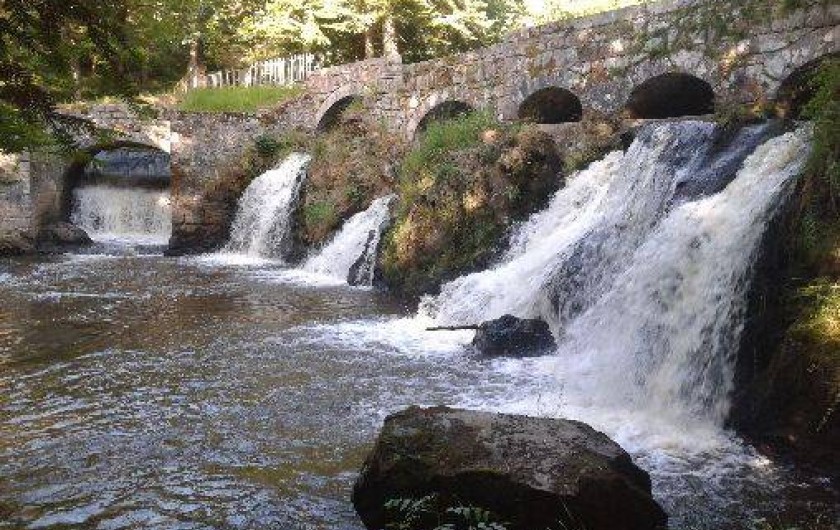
(351, 255)
(264, 220)
(111, 213)
(144, 392)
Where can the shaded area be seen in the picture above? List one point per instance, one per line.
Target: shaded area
(441, 112)
(799, 88)
(671, 96)
(551, 105)
(333, 116)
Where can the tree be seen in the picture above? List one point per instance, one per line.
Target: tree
(52, 51)
(345, 30)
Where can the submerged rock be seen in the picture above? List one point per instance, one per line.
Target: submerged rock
(64, 234)
(534, 473)
(511, 336)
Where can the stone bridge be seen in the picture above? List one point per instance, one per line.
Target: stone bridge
(666, 59)
(671, 58)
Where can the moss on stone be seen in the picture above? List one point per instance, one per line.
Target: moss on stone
(461, 187)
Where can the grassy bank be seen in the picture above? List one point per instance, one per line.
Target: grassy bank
(237, 99)
(461, 187)
(792, 394)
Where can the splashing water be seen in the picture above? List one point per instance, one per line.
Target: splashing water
(663, 337)
(351, 255)
(264, 218)
(561, 261)
(116, 213)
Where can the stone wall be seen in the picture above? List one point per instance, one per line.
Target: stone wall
(743, 49)
(14, 193)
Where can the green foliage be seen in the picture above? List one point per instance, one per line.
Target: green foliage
(464, 182)
(817, 226)
(824, 111)
(52, 51)
(267, 146)
(318, 213)
(237, 99)
(443, 137)
(431, 513)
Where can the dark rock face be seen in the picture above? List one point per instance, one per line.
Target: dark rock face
(15, 244)
(786, 391)
(535, 473)
(63, 234)
(513, 337)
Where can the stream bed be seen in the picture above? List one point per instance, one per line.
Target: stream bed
(138, 391)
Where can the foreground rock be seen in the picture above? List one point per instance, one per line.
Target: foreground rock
(15, 244)
(534, 473)
(64, 234)
(513, 337)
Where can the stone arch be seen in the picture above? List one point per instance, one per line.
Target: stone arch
(74, 173)
(797, 89)
(436, 110)
(670, 95)
(551, 105)
(336, 103)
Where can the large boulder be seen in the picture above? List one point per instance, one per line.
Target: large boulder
(64, 234)
(511, 336)
(533, 473)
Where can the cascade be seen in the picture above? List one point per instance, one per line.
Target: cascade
(263, 220)
(351, 254)
(561, 259)
(659, 307)
(663, 336)
(111, 212)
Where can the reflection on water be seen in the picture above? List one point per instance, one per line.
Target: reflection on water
(141, 392)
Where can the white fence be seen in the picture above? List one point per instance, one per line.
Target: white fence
(274, 72)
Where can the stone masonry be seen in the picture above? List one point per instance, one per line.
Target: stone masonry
(743, 50)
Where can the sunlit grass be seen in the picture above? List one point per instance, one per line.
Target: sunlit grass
(237, 99)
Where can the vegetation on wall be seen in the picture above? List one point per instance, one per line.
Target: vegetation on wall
(461, 187)
(793, 393)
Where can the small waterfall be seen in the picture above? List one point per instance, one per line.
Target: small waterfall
(563, 258)
(263, 220)
(351, 254)
(110, 212)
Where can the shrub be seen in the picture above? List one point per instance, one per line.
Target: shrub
(461, 186)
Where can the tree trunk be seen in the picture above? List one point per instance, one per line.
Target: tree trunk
(76, 69)
(196, 71)
(389, 40)
(370, 52)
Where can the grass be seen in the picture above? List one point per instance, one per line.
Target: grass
(464, 182)
(237, 99)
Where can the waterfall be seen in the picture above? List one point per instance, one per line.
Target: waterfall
(657, 276)
(561, 260)
(264, 218)
(665, 333)
(110, 212)
(351, 254)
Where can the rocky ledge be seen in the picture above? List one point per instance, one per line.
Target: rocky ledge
(532, 473)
